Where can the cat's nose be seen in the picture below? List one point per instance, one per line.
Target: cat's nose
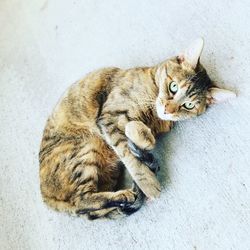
(169, 108)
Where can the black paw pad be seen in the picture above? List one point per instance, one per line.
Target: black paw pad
(117, 204)
(92, 217)
(144, 156)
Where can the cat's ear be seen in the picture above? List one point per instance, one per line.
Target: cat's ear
(192, 54)
(217, 95)
(161, 75)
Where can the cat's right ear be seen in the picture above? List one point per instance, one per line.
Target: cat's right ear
(160, 75)
(192, 54)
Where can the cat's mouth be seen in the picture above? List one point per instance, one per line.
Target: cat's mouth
(162, 114)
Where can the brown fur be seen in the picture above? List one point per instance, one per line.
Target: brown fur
(75, 160)
(87, 135)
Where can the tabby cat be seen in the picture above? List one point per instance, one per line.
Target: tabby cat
(110, 119)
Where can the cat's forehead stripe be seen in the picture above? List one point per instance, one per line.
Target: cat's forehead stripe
(189, 88)
(170, 77)
(193, 96)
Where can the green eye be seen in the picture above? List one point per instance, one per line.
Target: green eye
(189, 105)
(173, 87)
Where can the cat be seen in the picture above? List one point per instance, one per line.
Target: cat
(111, 118)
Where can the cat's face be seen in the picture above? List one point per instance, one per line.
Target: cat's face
(185, 89)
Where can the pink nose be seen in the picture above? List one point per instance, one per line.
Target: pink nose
(169, 108)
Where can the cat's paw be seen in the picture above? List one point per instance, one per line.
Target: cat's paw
(140, 134)
(123, 198)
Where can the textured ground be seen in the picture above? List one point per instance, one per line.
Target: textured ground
(46, 45)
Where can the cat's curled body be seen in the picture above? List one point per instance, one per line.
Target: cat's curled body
(85, 139)
(89, 131)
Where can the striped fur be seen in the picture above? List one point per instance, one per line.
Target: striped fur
(84, 140)
(111, 116)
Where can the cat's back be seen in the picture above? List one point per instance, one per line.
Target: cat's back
(74, 117)
(78, 108)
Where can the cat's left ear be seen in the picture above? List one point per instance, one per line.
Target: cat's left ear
(192, 54)
(218, 95)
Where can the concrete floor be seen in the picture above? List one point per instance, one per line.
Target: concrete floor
(205, 163)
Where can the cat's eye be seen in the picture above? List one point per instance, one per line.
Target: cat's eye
(188, 105)
(173, 87)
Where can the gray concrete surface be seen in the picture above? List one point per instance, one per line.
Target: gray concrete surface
(46, 45)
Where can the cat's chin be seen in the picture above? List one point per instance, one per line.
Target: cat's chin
(168, 117)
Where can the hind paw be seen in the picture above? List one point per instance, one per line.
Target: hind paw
(122, 198)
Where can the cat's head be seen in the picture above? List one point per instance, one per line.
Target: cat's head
(185, 89)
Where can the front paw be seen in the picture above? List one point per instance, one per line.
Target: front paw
(140, 134)
(122, 198)
(144, 156)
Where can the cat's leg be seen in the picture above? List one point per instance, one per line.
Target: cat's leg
(100, 173)
(96, 201)
(92, 201)
(86, 197)
(74, 174)
(101, 213)
(121, 211)
(144, 156)
(141, 174)
(141, 141)
(140, 135)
